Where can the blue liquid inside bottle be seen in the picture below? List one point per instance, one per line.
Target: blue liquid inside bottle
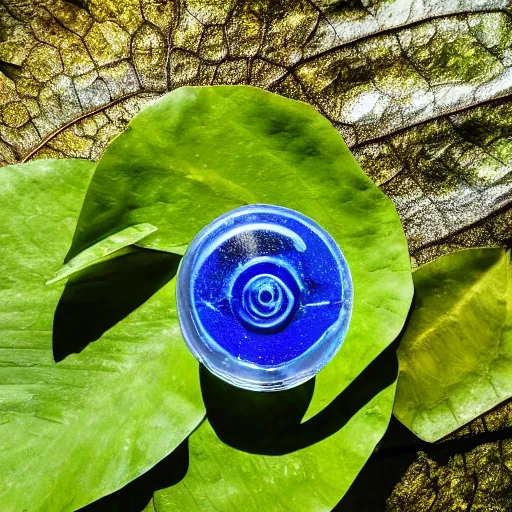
(264, 297)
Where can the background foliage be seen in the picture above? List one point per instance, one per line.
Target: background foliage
(421, 91)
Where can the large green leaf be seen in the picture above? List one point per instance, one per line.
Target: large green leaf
(214, 148)
(75, 430)
(456, 354)
(199, 152)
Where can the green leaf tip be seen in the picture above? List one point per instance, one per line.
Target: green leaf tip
(102, 249)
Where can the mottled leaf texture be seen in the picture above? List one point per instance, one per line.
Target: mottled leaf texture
(455, 358)
(74, 430)
(478, 480)
(420, 90)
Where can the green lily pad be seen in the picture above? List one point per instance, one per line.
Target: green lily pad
(455, 357)
(201, 151)
(73, 431)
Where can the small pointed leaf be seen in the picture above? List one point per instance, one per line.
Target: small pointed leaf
(102, 249)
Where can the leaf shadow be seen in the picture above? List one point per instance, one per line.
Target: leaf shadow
(270, 423)
(134, 496)
(100, 296)
(387, 465)
(392, 456)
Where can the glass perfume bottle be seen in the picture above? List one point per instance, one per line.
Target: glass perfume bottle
(264, 297)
